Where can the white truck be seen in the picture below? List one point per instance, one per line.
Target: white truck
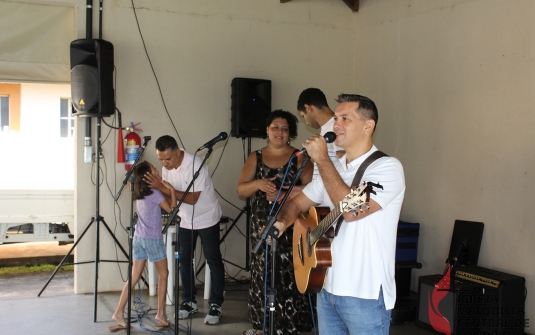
(36, 216)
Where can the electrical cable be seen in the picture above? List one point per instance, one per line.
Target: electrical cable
(110, 126)
(115, 220)
(92, 168)
(116, 203)
(109, 132)
(142, 310)
(154, 73)
(220, 156)
(165, 106)
(167, 111)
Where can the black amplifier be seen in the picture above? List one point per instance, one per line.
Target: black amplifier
(500, 306)
(438, 308)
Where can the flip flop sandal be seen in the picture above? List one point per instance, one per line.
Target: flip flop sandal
(116, 328)
(251, 332)
(162, 324)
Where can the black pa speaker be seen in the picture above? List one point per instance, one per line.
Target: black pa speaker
(251, 105)
(92, 77)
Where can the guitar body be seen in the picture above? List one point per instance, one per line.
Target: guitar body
(310, 261)
(312, 248)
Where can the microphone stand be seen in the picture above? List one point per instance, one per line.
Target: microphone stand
(172, 216)
(129, 178)
(271, 230)
(456, 261)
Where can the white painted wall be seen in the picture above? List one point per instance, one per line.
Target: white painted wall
(454, 85)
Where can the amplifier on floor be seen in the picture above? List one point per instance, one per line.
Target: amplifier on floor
(438, 310)
(502, 302)
(480, 301)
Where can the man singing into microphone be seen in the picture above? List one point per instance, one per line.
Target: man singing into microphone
(200, 213)
(359, 290)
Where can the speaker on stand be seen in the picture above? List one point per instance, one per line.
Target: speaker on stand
(93, 96)
(92, 77)
(251, 105)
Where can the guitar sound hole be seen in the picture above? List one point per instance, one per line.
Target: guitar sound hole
(307, 242)
(300, 251)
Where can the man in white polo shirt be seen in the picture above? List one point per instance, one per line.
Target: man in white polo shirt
(359, 292)
(200, 214)
(313, 107)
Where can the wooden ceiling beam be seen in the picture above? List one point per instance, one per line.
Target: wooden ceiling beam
(353, 4)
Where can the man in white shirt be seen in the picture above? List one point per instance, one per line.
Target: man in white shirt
(200, 214)
(313, 107)
(359, 290)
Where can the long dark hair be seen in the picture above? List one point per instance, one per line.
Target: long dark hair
(141, 189)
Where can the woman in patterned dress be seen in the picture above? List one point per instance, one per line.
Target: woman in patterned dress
(260, 179)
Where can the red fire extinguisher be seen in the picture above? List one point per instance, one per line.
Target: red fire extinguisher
(132, 145)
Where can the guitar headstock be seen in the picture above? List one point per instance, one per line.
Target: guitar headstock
(358, 198)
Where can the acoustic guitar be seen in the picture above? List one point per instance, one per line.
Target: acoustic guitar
(311, 249)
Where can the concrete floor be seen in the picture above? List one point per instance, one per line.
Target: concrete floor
(59, 311)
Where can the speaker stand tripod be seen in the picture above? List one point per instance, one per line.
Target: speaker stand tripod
(98, 219)
(247, 211)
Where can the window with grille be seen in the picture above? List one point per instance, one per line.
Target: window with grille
(4, 113)
(66, 120)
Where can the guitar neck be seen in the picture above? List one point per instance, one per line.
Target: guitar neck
(325, 224)
(358, 197)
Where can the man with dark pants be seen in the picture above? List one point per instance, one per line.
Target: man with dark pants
(200, 214)
(359, 292)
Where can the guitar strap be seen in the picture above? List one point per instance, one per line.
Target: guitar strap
(356, 181)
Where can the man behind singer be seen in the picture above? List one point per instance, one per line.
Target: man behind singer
(313, 107)
(200, 214)
(360, 289)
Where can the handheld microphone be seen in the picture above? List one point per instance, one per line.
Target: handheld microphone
(146, 140)
(222, 136)
(329, 137)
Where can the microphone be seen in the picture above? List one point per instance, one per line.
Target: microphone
(329, 138)
(147, 139)
(222, 136)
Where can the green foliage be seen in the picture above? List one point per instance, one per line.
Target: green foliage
(11, 270)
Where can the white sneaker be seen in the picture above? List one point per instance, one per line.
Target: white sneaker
(187, 308)
(213, 315)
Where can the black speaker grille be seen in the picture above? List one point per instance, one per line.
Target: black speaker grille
(84, 88)
(251, 105)
(92, 68)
